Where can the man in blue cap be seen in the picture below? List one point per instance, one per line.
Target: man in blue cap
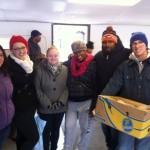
(34, 49)
(132, 78)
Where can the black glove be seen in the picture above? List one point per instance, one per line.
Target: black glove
(57, 105)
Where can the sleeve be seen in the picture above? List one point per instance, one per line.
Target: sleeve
(42, 97)
(94, 86)
(31, 51)
(64, 96)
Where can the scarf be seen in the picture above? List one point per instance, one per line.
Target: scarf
(78, 68)
(26, 64)
(55, 69)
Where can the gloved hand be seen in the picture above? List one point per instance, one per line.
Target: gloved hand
(57, 105)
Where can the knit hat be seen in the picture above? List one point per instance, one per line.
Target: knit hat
(78, 46)
(109, 35)
(35, 33)
(15, 39)
(139, 36)
(90, 45)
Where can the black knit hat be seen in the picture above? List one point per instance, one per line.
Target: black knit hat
(90, 44)
(35, 33)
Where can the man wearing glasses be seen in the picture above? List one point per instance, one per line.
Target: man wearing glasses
(133, 79)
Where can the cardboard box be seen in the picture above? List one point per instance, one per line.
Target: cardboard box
(123, 114)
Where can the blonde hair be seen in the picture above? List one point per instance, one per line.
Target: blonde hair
(50, 48)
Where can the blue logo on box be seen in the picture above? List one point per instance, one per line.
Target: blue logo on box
(127, 125)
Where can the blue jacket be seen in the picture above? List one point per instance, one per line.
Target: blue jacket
(6, 104)
(133, 85)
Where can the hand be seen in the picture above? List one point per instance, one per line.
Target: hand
(93, 112)
(57, 105)
(41, 56)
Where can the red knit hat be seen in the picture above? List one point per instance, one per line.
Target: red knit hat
(15, 39)
(109, 35)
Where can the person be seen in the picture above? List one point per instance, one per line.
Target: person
(6, 104)
(90, 47)
(112, 54)
(34, 49)
(24, 94)
(81, 85)
(132, 78)
(52, 91)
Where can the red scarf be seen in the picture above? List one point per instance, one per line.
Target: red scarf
(78, 68)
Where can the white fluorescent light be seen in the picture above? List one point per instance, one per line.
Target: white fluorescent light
(107, 2)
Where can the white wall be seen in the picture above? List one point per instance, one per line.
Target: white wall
(124, 32)
(7, 29)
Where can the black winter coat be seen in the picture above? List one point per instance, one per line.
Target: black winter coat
(107, 64)
(24, 94)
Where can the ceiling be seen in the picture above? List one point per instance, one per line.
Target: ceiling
(61, 11)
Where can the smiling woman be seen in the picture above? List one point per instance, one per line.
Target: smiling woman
(24, 94)
(6, 103)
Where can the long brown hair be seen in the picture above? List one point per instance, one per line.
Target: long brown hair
(4, 66)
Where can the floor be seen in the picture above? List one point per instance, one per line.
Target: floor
(96, 141)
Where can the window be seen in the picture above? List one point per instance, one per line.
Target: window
(64, 34)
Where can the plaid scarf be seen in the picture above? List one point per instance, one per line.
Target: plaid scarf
(55, 69)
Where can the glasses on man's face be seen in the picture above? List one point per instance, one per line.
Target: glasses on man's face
(19, 48)
(140, 43)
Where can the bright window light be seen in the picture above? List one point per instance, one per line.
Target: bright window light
(107, 2)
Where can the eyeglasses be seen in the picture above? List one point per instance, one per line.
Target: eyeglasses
(19, 48)
(140, 43)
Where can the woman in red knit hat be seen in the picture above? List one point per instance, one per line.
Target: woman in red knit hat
(24, 94)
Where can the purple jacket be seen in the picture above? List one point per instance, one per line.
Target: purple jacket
(6, 104)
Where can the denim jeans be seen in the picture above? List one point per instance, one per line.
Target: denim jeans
(3, 135)
(111, 136)
(127, 142)
(77, 110)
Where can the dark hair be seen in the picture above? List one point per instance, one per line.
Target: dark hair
(4, 67)
(90, 44)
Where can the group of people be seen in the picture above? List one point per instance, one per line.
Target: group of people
(32, 81)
